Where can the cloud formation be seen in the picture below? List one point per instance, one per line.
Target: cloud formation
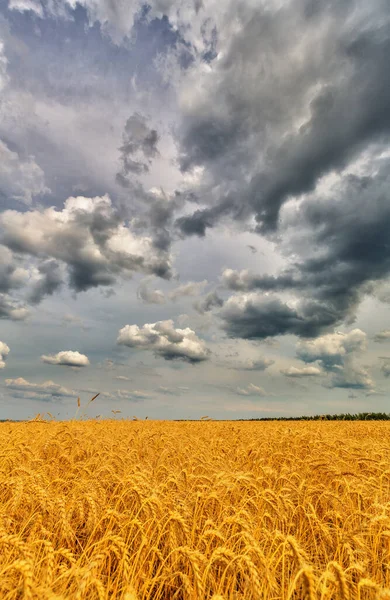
(67, 358)
(302, 372)
(208, 302)
(263, 126)
(165, 341)
(336, 354)
(259, 364)
(4, 351)
(43, 391)
(385, 368)
(191, 288)
(12, 309)
(138, 148)
(148, 295)
(253, 316)
(382, 336)
(347, 227)
(21, 178)
(269, 132)
(251, 390)
(87, 243)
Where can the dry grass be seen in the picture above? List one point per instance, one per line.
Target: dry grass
(175, 511)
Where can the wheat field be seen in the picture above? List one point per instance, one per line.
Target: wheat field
(193, 510)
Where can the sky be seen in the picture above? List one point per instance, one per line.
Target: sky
(194, 208)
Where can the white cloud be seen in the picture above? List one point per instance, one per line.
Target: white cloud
(26, 5)
(302, 372)
(67, 358)
(4, 351)
(165, 341)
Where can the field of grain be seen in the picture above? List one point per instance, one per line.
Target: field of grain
(164, 510)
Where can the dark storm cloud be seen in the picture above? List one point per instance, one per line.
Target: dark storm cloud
(269, 131)
(246, 281)
(343, 245)
(254, 317)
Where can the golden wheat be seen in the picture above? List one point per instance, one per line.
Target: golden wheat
(135, 510)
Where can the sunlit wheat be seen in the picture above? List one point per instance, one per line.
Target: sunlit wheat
(147, 510)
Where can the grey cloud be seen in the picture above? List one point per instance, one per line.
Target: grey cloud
(74, 320)
(336, 354)
(247, 281)
(331, 349)
(270, 131)
(149, 296)
(385, 368)
(165, 341)
(252, 390)
(133, 395)
(191, 288)
(198, 222)
(210, 301)
(176, 391)
(138, 148)
(382, 336)
(88, 238)
(50, 281)
(256, 317)
(44, 391)
(21, 178)
(12, 275)
(10, 309)
(258, 364)
(340, 247)
(352, 377)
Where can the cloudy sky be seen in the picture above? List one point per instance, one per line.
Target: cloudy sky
(194, 207)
